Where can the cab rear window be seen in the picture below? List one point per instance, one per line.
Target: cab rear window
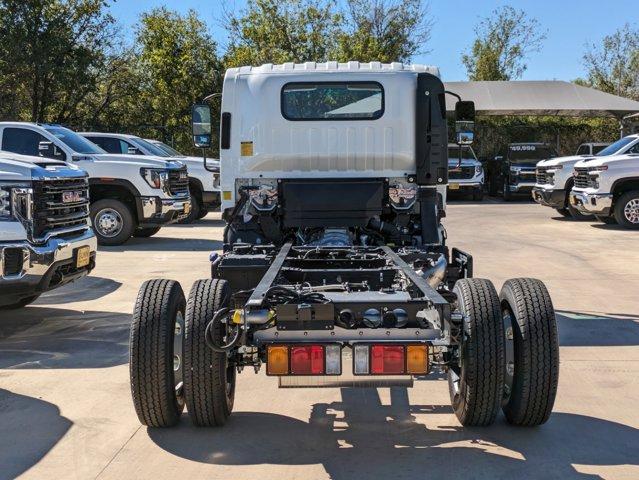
(332, 101)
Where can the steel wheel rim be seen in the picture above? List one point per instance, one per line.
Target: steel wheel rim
(108, 222)
(631, 211)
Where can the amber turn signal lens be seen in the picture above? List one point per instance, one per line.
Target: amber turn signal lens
(417, 359)
(277, 360)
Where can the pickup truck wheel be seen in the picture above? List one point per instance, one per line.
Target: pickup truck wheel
(530, 317)
(476, 384)
(209, 380)
(112, 221)
(606, 220)
(627, 210)
(196, 208)
(563, 212)
(21, 303)
(146, 232)
(155, 357)
(203, 213)
(478, 195)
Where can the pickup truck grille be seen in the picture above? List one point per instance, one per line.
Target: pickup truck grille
(582, 179)
(178, 183)
(542, 177)
(60, 207)
(462, 173)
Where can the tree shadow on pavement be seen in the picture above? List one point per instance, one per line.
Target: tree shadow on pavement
(39, 337)
(166, 244)
(82, 290)
(360, 438)
(592, 330)
(30, 428)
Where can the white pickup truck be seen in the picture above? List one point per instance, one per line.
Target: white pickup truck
(555, 176)
(465, 174)
(130, 195)
(45, 237)
(608, 187)
(204, 184)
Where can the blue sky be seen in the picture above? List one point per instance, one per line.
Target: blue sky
(570, 25)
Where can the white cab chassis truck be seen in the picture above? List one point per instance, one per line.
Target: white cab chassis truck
(336, 269)
(555, 177)
(608, 187)
(46, 240)
(130, 195)
(204, 184)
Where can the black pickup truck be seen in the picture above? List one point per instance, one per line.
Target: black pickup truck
(513, 172)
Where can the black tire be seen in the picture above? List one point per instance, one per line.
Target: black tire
(209, 380)
(476, 385)
(159, 307)
(203, 213)
(627, 210)
(146, 232)
(124, 218)
(20, 303)
(508, 196)
(196, 208)
(563, 212)
(478, 195)
(536, 351)
(606, 220)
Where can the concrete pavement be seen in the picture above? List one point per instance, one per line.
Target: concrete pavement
(66, 410)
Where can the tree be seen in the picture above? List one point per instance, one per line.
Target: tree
(279, 31)
(504, 41)
(613, 66)
(178, 66)
(54, 52)
(384, 30)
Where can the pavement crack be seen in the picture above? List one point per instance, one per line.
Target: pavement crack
(118, 452)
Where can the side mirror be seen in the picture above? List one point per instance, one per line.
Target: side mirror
(465, 122)
(48, 150)
(201, 125)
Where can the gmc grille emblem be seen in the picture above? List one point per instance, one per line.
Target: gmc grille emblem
(71, 197)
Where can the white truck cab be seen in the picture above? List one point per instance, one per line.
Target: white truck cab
(204, 184)
(555, 177)
(591, 148)
(46, 239)
(130, 194)
(465, 175)
(608, 186)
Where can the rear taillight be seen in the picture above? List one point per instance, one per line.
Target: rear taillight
(388, 359)
(304, 360)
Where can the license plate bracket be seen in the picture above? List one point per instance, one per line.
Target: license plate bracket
(82, 256)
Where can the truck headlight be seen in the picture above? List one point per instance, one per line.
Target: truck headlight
(5, 203)
(154, 177)
(595, 170)
(478, 169)
(515, 170)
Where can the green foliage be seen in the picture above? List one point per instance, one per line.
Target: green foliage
(279, 31)
(613, 66)
(504, 40)
(383, 30)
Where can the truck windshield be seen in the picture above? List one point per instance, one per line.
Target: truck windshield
(171, 151)
(332, 101)
(75, 142)
(153, 149)
(529, 153)
(467, 153)
(615, 147)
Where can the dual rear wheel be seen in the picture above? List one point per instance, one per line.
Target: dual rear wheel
(509, 355)
(170, 364)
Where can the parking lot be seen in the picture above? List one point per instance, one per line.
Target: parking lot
(66, 410)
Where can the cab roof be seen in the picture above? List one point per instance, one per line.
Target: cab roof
(328, 67)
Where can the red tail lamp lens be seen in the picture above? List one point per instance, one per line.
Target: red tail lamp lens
(387, 359)
(307, 360)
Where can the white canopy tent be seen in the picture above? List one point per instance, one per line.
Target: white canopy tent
(540, 98)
